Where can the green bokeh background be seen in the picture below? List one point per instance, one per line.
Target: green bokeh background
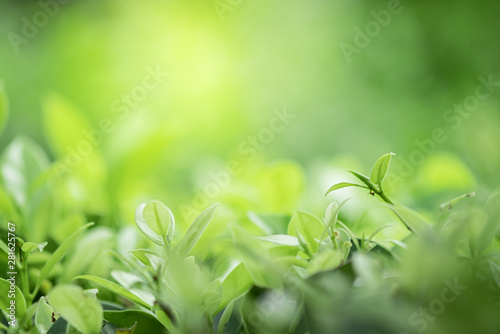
(229, 71)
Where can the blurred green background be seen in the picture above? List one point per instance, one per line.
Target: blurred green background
(231, 65)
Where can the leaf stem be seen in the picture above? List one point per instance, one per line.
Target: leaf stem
(25, 280)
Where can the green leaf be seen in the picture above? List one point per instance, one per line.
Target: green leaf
(411, 219)
(343, 185)
(3, 247)
(378, 230)
(28, 247)
(81, 310)
(325, 260)
(6, 300)
(235, 285)
(45, 316)
(212, 296)
(257, 259)
(226, 315)
(59, 254)
(113, 287)
(307, 226)
(89, 253)
(495, 272)
(23, 161)
(71, 330)
(165, 319)
(155, 221)
(128, 330)
(147, 257)
(381, 168)
(281, 239)
(4, 109)
(491, 227)
(195, 231)
(270, 223)
(146, 322)
(449, 205)
(365, 179)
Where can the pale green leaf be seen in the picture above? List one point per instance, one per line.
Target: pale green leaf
(60, 253)
(195, 231)
(45, 316)
(31, 246)
(381, 168)
(148, 258)
(4, 109)
(23, 161)
(155, 221)
(365, 179)
(281, 239)
(7, 297)
(342, 185)
(257, 259)
(82, 311)
(234, 285)
(328, 259)
(307, 226)
(113, 287)
(226, 315)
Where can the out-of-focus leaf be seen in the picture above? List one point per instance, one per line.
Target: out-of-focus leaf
(5, 300)
(308, 226)
(23, 161)
(414, 221)
(225, 318)
(45, 316)
(8, 211)
(212, 296)
(281, 239)
(492, 226)
(89, 254)
(257, 259)
(270, 223)
(324, 261)
(235, 285)
(67, 225)
(495, 272)
(60, 253)
(195, 231)
(147, 257)
(113, 287)
(127, 280)
(146, 322)
(332, 214)
(4, 109)
(129, 330)
(82, 311)
(449, 205)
